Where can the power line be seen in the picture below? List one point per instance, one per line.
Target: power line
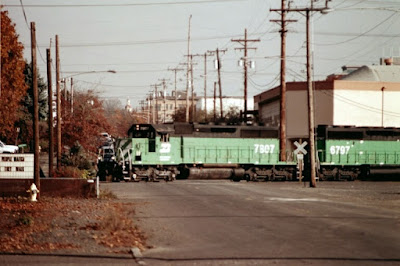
(166, 41)
(23, 11)
(360, 35)
(27, 25)
(362, 106)
(116, 86)
(136, 4)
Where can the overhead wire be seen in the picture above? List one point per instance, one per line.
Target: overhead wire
(360, 35)
(263, 87)
(29, 29)
(360, 105)
(128, 4)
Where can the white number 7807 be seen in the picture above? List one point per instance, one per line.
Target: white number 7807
(264, 148)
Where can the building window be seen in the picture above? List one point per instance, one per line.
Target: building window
(7, 169)
(20, 169)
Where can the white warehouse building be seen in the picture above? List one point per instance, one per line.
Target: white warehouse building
(228, 103)
(367, 97)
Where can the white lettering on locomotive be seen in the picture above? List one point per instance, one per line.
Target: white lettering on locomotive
(264, 148)
(165, 147)
(339, 149)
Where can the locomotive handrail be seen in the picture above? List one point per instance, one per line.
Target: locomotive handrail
(122, 154)
(130, 157)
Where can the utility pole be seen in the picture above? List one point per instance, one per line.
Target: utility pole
(310, 93)
(205, 83)
(245, 65)
(205, 87)
(164, 95)
(215, 102)
(282, 103)
(176, 95)
(311, 126)
(191, 83)
(218, 66)
(155, 86)
(187, 74)
(35, 107)
(149, 109)
(50, 114)
(1, 66)
(72, 96)
(58, 81)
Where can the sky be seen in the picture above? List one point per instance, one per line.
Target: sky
(142, 39)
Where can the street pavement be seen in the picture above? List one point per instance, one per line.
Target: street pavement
(218, 222)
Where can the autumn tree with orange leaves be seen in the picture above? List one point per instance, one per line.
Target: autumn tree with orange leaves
(13, 86)
(86, 121)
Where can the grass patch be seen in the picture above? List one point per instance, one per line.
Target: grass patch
(25, 220)
(107, 194)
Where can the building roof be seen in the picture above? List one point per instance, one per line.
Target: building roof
(375, 73)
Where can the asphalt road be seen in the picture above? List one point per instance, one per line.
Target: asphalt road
(219, 222)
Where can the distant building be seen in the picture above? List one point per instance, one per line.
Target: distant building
(366, 96)
(128, 106)
(162, 107)
(228, 103)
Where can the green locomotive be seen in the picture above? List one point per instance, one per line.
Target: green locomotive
(357, 152)
(167, 151)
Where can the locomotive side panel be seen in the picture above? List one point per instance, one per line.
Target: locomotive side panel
(230, 151)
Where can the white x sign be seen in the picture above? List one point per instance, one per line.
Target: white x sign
(300, 148)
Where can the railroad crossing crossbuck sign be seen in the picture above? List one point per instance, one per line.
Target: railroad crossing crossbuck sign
(300, 148)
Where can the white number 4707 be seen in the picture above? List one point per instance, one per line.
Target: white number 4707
(264, 148)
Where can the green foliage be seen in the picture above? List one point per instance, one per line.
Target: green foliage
(76, 163)
(25, 220)
(27, 102)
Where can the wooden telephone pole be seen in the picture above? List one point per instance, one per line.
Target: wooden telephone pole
(176, 95)
(218, 66)
(35, 107)
(155, 86)
(163, 83)
(205, 83)
(58, 81)
(310, 93)
(50, 113)
(189, 63)
(215, 102)
(245, 65)
(282, 103)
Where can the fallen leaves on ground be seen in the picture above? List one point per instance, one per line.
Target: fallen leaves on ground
(68, 225)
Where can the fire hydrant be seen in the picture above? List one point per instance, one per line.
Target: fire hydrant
(33, 191)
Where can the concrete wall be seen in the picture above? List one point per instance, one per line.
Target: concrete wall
(297, 111)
